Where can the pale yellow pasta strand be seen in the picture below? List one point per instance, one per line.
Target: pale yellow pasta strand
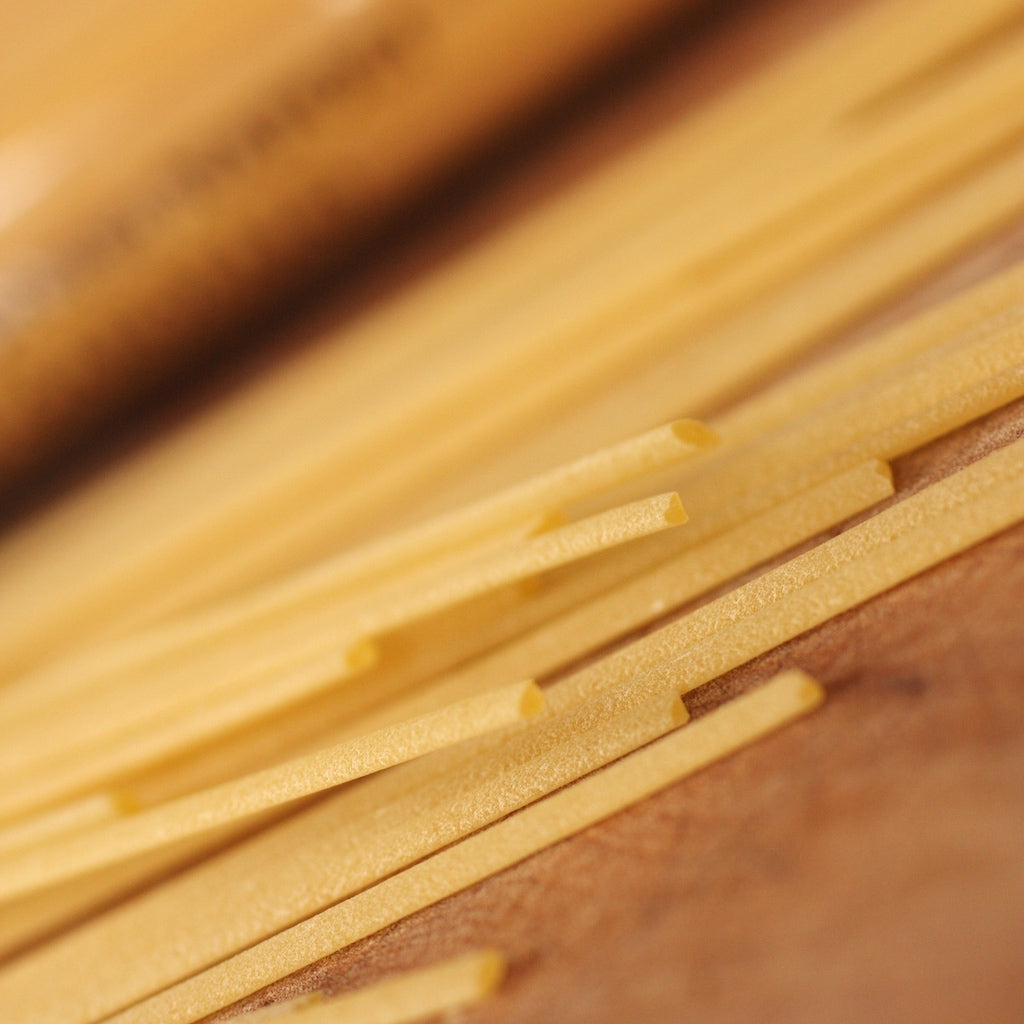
(412, 995)
(94, 604)
(386, 493)
(27, 922)
(870, 64)
(557, 488)
(336, 848)
(555, 818)
(658, 315)
(62, 820)
(57, 861)
(945, 415)
(872, 425)
(867, 38)
(568, 544)
(768, 190)
(100, 711)
(675, 579)
(386, 497)
(529, 500)
(881, 418)
(311, 631)
(711, 365)
(281, 647)
(719, 363)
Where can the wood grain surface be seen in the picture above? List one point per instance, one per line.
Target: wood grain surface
(865, 864)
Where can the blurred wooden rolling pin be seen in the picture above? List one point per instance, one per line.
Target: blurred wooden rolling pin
(168, 170)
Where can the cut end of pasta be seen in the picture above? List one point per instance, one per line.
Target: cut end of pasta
(806, 691)
(552, 519)
(362, 655)
(883, 469)
(287, 1009)
(695, 434)
(680, 713)
(490, 967)
(126, 802)
(675, 514)
(532, 702)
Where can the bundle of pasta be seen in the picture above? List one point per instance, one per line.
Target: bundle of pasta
(281, 691)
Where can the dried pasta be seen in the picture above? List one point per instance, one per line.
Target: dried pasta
(264, 681)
